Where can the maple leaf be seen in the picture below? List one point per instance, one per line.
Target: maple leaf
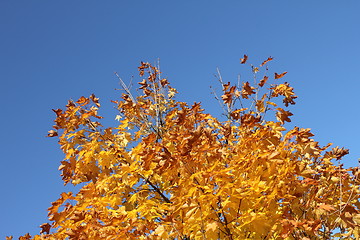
(286, 91)
(283, 116)
(45, 228)
(247, 90)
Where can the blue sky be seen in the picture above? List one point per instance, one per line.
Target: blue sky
(51, 51)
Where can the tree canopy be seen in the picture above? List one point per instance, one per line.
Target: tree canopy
(169, 170)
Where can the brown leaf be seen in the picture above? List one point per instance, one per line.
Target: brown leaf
(243, 60)
(283, 116)
(266, 61)
(82, 101)
(143, 84)
(78, 216)
(263, 81)
(45, 228)
(338, 153)
(227, 98)
(277, 76)
(164, 82)
(58, 112)
(226, 86)
(247, 90)
(95, 100)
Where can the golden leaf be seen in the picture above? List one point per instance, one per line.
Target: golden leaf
(283, 116)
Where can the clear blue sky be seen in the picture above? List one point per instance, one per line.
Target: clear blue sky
(51, 51)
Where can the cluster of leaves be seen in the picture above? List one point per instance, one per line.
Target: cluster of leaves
(171, 171)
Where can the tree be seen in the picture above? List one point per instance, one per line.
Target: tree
(172, 171)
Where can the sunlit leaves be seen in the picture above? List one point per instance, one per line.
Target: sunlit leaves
(169, 170)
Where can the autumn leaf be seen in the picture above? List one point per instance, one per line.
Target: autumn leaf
(286, 91)
(326, 207)
(277, 76)
(164, 82)
(82, 101)
(243, 60)
(266, 61)
(25, 237)
(283, 116)
(337, 153)
(263, 81)
(45, 228)
(95, 100)
(58, 112)
(247, 90)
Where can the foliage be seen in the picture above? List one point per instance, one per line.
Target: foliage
(172, 171)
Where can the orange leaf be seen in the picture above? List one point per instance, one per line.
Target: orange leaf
(247, 90)
(263, 81)
(283, 116)
(266, 61)
(277, 76)
(82, 101)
